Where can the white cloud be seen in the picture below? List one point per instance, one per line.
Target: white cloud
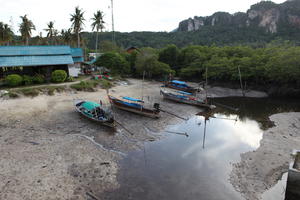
(130, 15)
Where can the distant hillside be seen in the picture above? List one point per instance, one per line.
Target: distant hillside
(262, 23)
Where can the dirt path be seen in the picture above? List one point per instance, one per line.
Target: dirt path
(53, 84)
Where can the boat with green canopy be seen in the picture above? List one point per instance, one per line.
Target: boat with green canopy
(95, 112)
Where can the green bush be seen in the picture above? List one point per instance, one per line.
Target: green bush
(28, 80)
(14, 80)
(59, 76)
(39, 79)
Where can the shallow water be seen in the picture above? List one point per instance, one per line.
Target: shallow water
(197, 166)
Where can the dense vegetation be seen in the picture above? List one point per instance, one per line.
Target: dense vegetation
(273, 66)
(207, 36)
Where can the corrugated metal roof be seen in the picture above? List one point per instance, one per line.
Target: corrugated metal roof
(77, 59)
(34, 50)
(76, 52)
(35, 60)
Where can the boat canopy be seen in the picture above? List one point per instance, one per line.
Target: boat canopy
(178, 82)
(89, 105)
(133, 99)
(182, 92)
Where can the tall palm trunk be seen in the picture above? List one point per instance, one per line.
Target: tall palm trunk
(78, 40)
(27, 41)
(97, 36)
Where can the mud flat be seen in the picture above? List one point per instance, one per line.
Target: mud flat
(259, 170)
(216, 92)
(48, 151)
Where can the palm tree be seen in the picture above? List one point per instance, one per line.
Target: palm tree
(1, 32)
(51, 31)
(6, 34)
(67, 36)
(77, 23)
(98, 23)
(25, 28)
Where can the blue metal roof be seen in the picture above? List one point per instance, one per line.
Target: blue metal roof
(76, 52)
(34, 50)
(14, 56)
(16, 61)
(77, 59)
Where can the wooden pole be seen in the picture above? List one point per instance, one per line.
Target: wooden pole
(206, 82)
(204, 133)
(142, 85)
(112, 21)
(241, 81)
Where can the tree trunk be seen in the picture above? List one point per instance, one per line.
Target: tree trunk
(97, 41)
(78, 40)
(27, 41)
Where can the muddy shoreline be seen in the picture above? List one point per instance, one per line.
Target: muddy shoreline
(52, 152)
(259, 170)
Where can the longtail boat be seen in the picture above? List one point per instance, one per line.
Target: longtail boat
(187, 98)
(135, 106)
(95, 112)
(182, 86)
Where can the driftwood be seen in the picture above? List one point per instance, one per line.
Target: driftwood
(178, 133)
(92, 196)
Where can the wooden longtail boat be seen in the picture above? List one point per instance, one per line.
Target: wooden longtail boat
(135, 106)
(95, 112)
(182, 86)
(187, 98)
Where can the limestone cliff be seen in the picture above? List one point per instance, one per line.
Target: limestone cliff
(267, 15)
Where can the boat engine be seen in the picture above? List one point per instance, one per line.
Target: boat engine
(156, 106)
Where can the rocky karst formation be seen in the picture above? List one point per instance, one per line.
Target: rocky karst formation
(267, 15)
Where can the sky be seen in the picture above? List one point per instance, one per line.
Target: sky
(130, 15)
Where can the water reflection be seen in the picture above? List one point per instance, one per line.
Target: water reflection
(180, 168)
(198, 166)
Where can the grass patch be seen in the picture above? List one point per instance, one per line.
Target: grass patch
(32, 92)
(50, 90)
(35, 91)
(13, 95)
(90, 85)
(105, 84)
(81, 77)
(85, 86)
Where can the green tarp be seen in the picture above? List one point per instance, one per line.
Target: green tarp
(89, 105)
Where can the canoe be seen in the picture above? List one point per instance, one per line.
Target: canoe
(135, 106)
(182, 86)
(95, 112)
(187, 98)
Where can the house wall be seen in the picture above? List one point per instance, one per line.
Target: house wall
(74, 70)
